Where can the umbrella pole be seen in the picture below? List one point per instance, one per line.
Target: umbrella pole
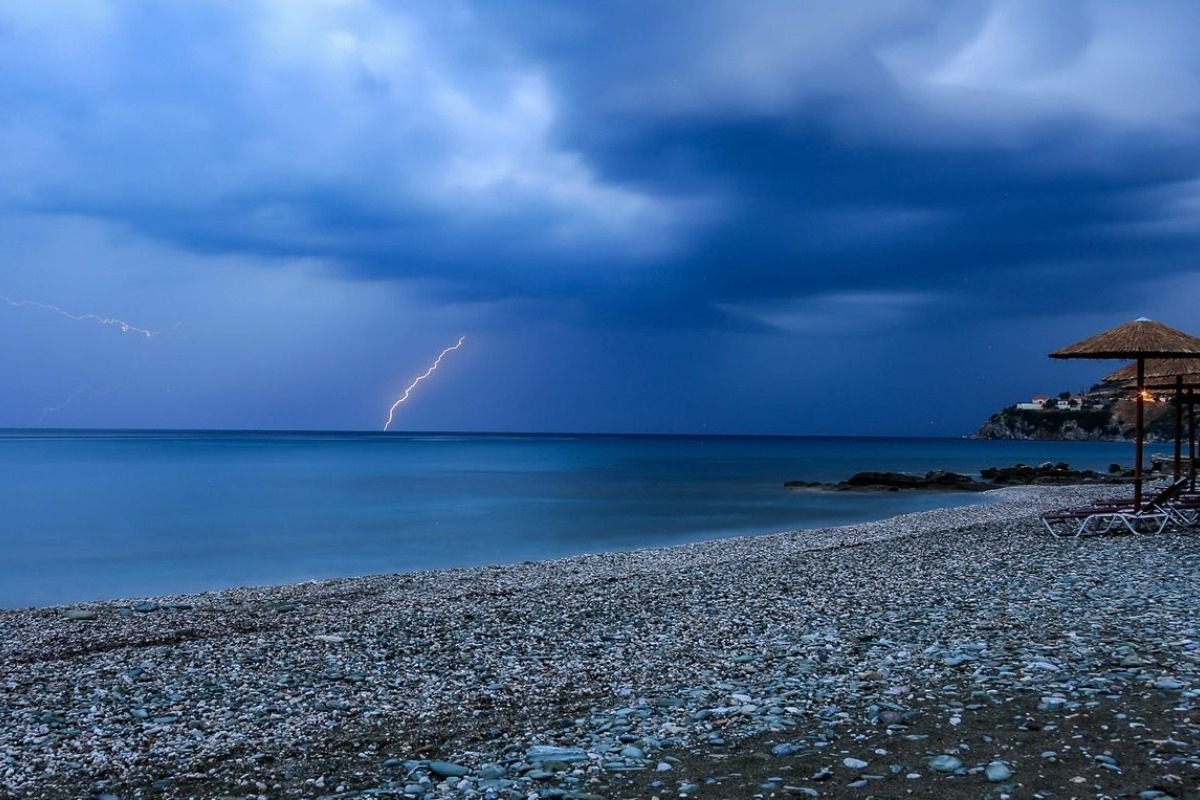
(1178, 427)
(1139, 433)
(1191, 440)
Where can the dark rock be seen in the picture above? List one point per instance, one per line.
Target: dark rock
(993, 477)
(1047, 473)
(883, 480)
(937, 480)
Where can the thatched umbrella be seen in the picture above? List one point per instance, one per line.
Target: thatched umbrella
(1158, 372)
(1138, 340)
(1179, 374)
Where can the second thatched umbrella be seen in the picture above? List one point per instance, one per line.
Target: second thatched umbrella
(1179, 374)
(1137, 340)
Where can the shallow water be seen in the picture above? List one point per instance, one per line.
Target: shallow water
(99, 514)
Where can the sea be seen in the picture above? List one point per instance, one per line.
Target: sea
(92, 515)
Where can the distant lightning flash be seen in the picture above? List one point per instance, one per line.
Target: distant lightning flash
(81, 391)
(436, 363)
(122, 324)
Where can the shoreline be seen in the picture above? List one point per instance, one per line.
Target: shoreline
(814, 538)
(179, 515)
(444, 684)
(964, 499)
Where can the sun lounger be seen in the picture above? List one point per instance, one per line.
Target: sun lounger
(1184, 511)
(1095, 520)
(1172, 502)
(1119, 516)
(1167, 494)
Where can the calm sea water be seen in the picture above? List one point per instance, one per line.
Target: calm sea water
(93, 515)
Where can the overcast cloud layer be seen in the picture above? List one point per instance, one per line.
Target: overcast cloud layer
(815, 217)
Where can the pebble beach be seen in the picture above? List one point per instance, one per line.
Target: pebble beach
(950, 653)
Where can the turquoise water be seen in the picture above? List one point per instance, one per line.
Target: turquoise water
(102, 514)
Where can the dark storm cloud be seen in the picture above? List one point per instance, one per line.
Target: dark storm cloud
(814, 215)
(686, 164)
(845, 177)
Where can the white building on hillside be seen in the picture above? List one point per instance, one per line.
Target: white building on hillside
(1075, 402)
(1038, 403)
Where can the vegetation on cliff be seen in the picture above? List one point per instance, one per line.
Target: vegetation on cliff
(1111, 420)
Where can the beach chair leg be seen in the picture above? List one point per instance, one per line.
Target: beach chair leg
(1143, 523)
(1119, 521)
(1184, 517)
(1099, 524)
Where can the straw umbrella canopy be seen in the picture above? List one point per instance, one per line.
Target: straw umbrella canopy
(1138, 340)
(1159, 372)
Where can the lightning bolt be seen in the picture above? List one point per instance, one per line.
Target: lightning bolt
(432, 368)
(81, 391)
(120, 323)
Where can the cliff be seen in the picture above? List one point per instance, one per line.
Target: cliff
(1113, 422)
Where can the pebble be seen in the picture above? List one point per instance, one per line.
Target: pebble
(998, 772)
(445, 769)
(696, 645)
(553, 753)
(945, 763)
(80, 614)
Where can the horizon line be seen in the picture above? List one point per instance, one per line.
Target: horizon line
(375, 433)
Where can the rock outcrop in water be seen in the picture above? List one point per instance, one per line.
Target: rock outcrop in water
(1049, 473)
(937, 480)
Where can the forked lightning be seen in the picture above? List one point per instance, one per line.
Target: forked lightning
(408, 391)
(120, 323)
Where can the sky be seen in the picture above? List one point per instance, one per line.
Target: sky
(810, 217)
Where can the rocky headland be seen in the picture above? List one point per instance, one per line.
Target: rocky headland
(1114, 421)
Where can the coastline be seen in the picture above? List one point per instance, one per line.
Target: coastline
(641, 666)
(123, 515)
